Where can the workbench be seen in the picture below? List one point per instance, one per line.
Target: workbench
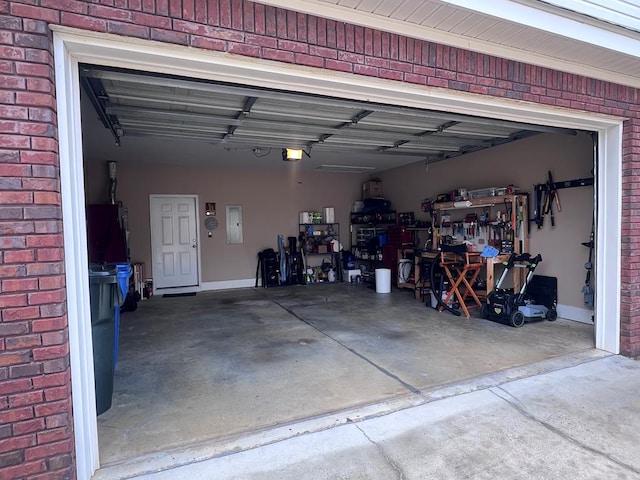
(514, 220)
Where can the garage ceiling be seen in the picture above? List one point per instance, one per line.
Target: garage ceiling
(208, 120)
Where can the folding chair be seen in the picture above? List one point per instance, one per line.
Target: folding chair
(461, 269)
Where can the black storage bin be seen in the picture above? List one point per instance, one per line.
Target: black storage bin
(104, 296)
(544, 290)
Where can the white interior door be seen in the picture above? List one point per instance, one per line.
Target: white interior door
(174, 241)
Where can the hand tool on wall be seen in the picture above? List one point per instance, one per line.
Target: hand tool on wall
(587, 289)
(546, 194)
(538, 191)
(548, 203)
(550, 196)
(554, 191)
(509, 220)
(483, 221)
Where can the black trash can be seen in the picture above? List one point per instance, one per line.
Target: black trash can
(104, 296)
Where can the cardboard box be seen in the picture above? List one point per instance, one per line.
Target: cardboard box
(371, 189)
(328, 213)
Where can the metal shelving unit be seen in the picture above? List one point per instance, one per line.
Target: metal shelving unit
(317, 246)
(367, 230)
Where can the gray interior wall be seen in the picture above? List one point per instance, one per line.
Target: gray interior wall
(522, 163)
(271, 202)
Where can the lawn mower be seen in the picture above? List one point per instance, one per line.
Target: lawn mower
(516, 307)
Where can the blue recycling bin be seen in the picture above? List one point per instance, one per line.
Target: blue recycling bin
(123, 273)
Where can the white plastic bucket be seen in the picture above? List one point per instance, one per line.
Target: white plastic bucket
(404, 270)
(383, 280)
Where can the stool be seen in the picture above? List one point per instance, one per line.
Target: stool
(462, 269)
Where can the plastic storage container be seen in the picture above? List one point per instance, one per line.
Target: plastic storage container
(383, 280)
(104, 295)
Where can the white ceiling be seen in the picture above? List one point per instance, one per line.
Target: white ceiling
(162, 119)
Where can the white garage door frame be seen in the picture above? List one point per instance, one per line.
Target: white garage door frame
(72, 46)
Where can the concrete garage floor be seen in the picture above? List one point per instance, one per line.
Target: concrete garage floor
(222, 366)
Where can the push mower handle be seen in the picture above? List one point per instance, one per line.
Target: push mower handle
(524, 257)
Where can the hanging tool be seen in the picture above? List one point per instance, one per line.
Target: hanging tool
(548, 202)
(550, 197)
(587, 290)
(538, 191)
(483, 221)
(546, 194)
(509, 215)
(554, 191)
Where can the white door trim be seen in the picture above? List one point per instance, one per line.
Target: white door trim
(190, 288)
(608, 245)
(73, 46)
(76, 261)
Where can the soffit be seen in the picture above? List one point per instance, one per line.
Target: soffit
(528, 30)
(624, 13)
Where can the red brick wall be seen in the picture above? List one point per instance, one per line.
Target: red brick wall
(35, 403)
(630, 301)
(35, 406)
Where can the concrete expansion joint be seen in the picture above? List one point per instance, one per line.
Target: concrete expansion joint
(517, 405)
(381, 369)
(380, 449)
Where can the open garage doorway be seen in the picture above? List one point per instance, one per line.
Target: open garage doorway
(73, 198)
(275, 358)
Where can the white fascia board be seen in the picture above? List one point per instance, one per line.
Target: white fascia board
(622, 13)
(552, 23)
(366, 19)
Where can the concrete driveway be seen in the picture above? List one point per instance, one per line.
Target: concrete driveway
(575, 417)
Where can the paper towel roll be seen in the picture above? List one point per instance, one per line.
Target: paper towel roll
(462, 204)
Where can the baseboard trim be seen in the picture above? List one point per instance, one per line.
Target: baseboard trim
(577, 314)
(190, 289)
(228, 284)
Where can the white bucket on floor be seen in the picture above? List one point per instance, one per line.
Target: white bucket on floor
(383, 280)
(404, 270)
